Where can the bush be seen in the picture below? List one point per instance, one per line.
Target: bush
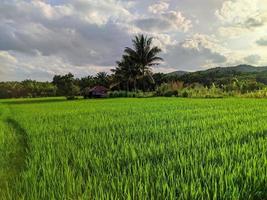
(169, 89)
(170, 93)
(199, 91)
(185, 94)
(257, 94)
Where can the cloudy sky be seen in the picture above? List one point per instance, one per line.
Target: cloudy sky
(41, 38)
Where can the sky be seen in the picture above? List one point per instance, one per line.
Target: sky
(41, 38)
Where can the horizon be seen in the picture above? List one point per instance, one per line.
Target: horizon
(42, 38)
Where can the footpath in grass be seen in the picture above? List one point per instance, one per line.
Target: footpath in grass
(13, 147)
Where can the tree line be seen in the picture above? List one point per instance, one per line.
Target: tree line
(133, 74)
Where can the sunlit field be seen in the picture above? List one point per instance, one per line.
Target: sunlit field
(156, 148)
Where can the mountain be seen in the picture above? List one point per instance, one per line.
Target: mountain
(239, 68)
(224, 75)
(177, 73)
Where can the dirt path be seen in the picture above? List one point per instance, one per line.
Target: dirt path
(13, 151)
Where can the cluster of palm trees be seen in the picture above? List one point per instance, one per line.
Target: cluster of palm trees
(136, 64)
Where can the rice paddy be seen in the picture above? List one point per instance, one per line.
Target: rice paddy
(157, 148)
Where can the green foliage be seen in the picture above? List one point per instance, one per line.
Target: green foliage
(226, 75)
(66, 86)
(27, 88)
(88, 81)
(136, 63)
(244, 81)
(257, 94)
(102, 79)
(199, 91)
(157, 148)
(12, 154)
(169, 89)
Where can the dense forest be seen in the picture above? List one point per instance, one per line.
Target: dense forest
(133, 76)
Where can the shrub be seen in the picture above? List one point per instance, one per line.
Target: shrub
(169, 89)
(185, 94)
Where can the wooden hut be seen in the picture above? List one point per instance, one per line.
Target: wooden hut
(96, 92)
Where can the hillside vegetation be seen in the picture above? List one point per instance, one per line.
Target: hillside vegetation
(224, 75)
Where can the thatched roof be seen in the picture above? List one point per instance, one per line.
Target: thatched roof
(99, 89)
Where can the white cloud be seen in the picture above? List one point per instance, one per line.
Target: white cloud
(6, 58)
(200, 41)
(241, 21)
(202, 48)
(252, 59)
(71, 38)
(7, 65)
(262, 41)
(232, 32)
(40, 38)
(244, 13)
(168, 21)
(158, 7)
(100, 12)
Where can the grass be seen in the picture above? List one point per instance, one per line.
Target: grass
(160, 148)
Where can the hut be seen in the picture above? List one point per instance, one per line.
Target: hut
(96, 92)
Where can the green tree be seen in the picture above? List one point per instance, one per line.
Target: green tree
(144, 55)
(88, 81)
(102, 78)
(66, 85)
(126, 72)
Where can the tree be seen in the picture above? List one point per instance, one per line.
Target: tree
(88, 81)
(102, 78)
(126, 72)
(66, 85)
(144, 55)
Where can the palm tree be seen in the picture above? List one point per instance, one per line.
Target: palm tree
(102, 78)
(144, 55)
(126, 71)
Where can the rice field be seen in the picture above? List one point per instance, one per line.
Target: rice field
(158, 148)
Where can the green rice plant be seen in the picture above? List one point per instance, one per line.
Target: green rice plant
(137, 148)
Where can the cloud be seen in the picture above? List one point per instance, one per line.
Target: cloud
(7, 66)
(66, 35)
(40, 38)
(18, 66)
(252, 59)
(262, 41)
(6, 58)
(158, 7)
(243, 13)
(232, 32)
(253, 22)
(165, 22)
(70, 34)
(240, 22)
(202, 48)
(100, 12)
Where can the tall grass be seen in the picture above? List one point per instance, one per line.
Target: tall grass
(160, 148)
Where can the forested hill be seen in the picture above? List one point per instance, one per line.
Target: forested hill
(222, 75)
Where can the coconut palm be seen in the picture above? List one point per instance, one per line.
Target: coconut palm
(126, 71)
(102, 78)
(144, 55)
